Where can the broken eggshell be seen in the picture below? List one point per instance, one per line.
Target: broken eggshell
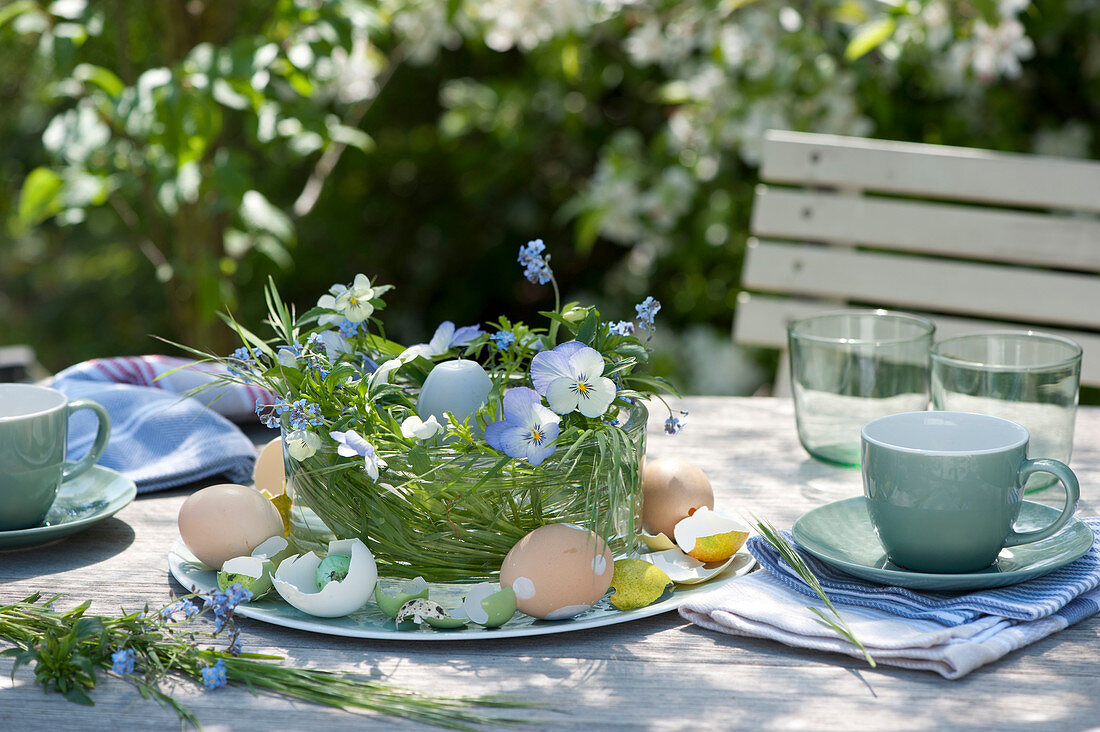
(390, 602)
(489, 605)
(710, 536)
(254, 572)
(657, 542)
(637, 583)
(684, 569)
(423, 610)
(295, 581)
(251, 573)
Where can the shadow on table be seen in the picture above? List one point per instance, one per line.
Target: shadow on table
(93, 545)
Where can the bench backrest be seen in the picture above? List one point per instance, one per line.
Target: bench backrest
(973, 239)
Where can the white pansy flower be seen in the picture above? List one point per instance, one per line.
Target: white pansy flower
(354, 303)
(419, 429)
(302, 444)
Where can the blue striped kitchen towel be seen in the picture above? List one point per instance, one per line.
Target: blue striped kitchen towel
(1031, 600)
(950, 634)
(160, 438)
(761, 606)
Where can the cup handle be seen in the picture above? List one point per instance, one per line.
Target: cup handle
(1060, 471)
(102, 434)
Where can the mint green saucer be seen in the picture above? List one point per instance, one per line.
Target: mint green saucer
(85, 500)
(841, 534)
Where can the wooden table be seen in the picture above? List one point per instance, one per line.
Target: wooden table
(657, 673)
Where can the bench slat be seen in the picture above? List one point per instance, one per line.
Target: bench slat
(761, 320)
(934, 171)
(929, 228)
(900, 280)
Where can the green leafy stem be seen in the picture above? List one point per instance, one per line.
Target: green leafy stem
(791, 556)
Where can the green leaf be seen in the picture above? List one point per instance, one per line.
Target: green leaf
(12, 10)
(78, 696)
(419, 460)
(41, 196)
(105, 79)
(588, 229)
(586, 333)
(259, 214)
(869, 36)
(351, 136)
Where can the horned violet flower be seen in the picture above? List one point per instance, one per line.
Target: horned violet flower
(571, 378)
(351, 443)
(528, 429)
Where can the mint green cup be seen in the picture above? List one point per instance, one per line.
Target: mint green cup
(944, 488)
(34, 433)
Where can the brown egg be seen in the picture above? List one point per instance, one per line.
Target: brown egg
(224, 521)
(268, 473)
(558, 571)
(671, 490)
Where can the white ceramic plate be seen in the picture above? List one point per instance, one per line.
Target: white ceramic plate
(369, 622)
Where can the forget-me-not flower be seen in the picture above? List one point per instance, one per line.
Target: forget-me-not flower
(647, 310)
(571, 378)
(674, 425)
(622, 328)
(213, 677)
(122, 662)
(528, 429)
(536, 267)
(503, 339)
(351, 443)
(305, 414)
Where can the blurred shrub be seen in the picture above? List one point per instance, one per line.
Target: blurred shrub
(159, 160)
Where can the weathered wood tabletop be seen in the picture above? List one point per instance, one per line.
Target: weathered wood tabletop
(656, 673)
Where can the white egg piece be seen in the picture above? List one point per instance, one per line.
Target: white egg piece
(458, 387)
(269, 474)
(657, 542)
(295, 581)
(710, 536)
(684, 569)
(558, 571)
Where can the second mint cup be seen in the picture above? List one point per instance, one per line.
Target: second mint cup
(945, 488)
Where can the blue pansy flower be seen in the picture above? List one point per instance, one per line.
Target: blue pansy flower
(528, 429)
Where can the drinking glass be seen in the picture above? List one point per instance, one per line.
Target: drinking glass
(1027, 377)
(850, 367)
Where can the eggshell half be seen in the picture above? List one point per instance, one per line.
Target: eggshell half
(671, 490)
(269, 474)
(295, 580)
(224, 521)
(558, 571)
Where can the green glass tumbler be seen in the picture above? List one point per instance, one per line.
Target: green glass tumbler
(850, 367)
(1027, 377)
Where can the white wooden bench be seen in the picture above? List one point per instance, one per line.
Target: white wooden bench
(972, 239)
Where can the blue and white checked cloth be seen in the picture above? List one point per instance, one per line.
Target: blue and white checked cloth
(951, 634)
(160, 438)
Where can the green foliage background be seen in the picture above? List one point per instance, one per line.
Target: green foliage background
(139, 221)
